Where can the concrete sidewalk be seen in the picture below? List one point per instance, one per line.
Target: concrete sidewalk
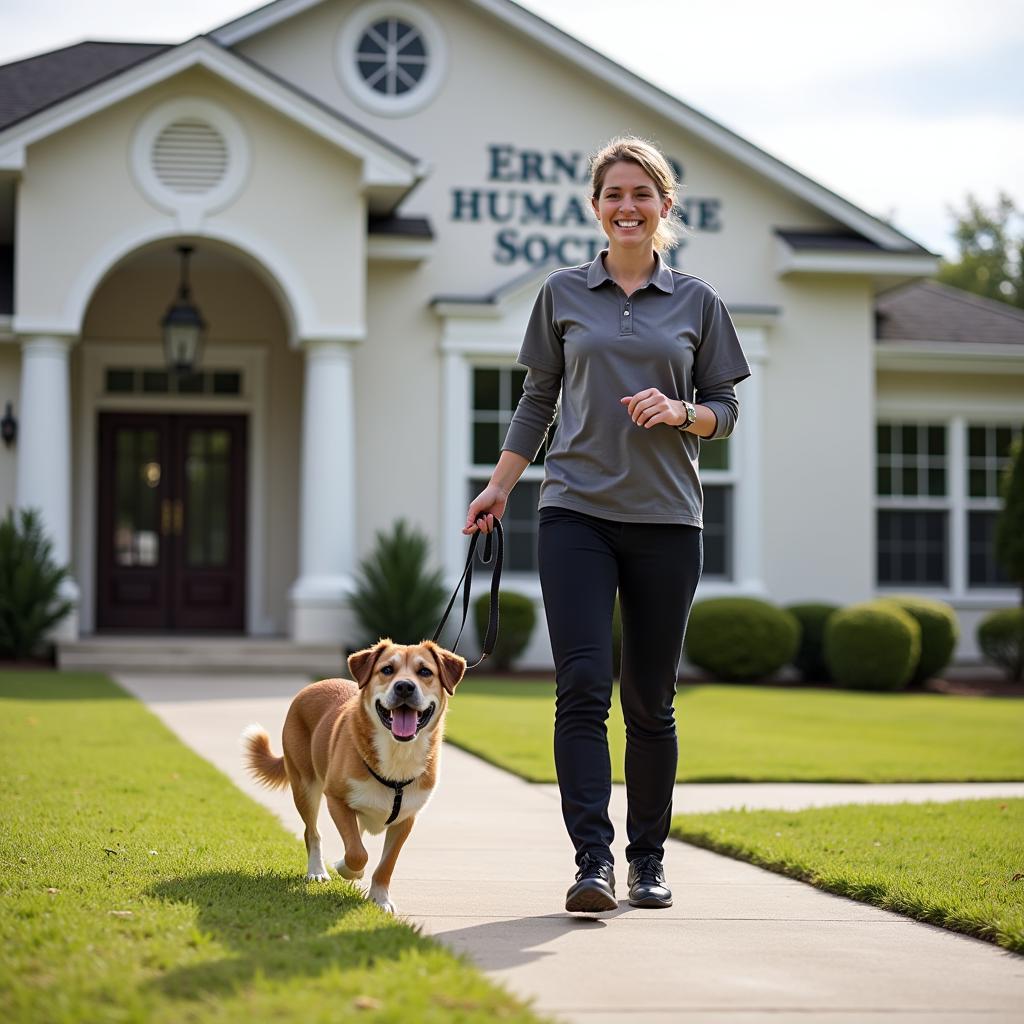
(488, 863)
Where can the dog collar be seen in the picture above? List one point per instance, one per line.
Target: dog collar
(396, 786)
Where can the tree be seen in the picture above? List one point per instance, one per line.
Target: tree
(990, 242)
(1010, 524)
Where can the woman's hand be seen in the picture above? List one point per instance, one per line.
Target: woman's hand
(484, 508)
(650, 407)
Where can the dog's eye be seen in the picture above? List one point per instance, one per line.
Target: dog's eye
(425, 672)
(387, 670)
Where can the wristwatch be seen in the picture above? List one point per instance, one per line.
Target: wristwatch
(691, 416)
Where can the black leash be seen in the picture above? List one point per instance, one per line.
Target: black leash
(466, 583)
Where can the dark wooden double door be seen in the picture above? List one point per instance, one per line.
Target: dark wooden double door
(171, 522)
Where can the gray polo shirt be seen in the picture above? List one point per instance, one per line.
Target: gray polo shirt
(595, 344)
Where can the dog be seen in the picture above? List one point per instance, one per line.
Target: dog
(371, 745)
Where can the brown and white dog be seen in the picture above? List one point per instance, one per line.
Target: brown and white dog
(342, 738)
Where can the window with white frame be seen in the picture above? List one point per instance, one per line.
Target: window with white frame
(925, 502)
(718, 483)
(988, 453)
(494, 394)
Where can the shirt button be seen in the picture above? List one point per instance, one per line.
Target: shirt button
(626, 313)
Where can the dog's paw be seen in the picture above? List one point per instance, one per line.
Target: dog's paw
(380, 896)
(347, 872)
(318, 876)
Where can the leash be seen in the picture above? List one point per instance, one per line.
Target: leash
(466, 582)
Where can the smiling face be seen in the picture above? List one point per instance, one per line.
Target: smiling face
(406, 687)
(629, 206)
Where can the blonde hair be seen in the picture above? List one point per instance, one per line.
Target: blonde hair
(633, 150)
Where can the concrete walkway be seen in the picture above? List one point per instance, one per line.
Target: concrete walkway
(488, 863)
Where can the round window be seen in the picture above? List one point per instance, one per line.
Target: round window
(391, 57)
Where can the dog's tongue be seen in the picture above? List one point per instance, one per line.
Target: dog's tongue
(403, 722)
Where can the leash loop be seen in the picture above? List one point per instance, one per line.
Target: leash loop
(494, 550)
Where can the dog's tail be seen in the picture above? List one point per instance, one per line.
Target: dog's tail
(260, 760)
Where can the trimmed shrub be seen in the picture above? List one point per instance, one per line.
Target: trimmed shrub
(940, 631)
(740, 638)
(30, 603)
(516, 619)
(809, 660)
(1001, 639)
(872, 646)
(396, 595)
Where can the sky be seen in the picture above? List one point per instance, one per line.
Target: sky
(902, 107)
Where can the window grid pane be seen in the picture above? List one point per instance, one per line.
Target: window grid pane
(912, 547)
(911, 460)
(718, 532)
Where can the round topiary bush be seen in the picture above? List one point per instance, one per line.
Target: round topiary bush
(516, 619)
(939, 633)
(809, 659)
(872, 646)
(740, 638)
(1001, 639)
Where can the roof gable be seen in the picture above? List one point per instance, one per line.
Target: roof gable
(35, 83)
(511, 15)
(388, 171)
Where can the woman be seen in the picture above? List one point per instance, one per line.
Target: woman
(631, 343)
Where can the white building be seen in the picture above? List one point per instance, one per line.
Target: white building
(373, 192)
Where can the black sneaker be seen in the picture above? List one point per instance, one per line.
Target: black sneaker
(594, 890)
(646, 882)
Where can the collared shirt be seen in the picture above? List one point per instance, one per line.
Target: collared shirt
(595, 343)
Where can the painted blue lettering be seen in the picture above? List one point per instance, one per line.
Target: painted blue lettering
(507, 251)
(537, 208)
(500, 158)
(466, 204)
(530, 163)
(493, 206)
(709, 210)
(574, 212)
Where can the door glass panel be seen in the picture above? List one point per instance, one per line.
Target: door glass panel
(207, 494)
(137, 475)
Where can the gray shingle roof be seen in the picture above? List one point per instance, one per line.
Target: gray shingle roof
(30, 85)
(835, 240)
(929, 311)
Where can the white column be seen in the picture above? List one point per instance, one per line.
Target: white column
(327, 512)
(44, 451)
(749, 520)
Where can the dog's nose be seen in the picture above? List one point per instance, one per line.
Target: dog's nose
(404, 689)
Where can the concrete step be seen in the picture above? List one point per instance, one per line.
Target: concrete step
(201, 654)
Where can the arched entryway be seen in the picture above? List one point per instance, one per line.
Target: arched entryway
(180, 477)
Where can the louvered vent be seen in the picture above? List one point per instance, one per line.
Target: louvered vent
(190, 157)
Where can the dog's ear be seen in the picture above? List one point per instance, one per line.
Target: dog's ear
(362, 663)
(450, 667)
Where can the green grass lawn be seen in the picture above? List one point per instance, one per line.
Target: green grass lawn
(959, 865)
(730, 733)
(139, 885)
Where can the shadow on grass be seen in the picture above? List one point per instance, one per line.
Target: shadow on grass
(279, 927)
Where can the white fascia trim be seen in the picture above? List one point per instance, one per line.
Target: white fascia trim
(788, 261)
(949, 357)
(468, 310)
(399, 250)
(649, 95)
(380, 167)
(331, 336)
(259, 20)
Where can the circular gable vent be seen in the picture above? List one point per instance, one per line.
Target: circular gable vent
(190, 157)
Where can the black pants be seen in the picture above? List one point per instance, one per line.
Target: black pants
(655, 567)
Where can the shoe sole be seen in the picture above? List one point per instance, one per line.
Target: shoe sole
(590, 900)
(651, 903)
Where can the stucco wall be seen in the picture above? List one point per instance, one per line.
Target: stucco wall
(80, 210)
